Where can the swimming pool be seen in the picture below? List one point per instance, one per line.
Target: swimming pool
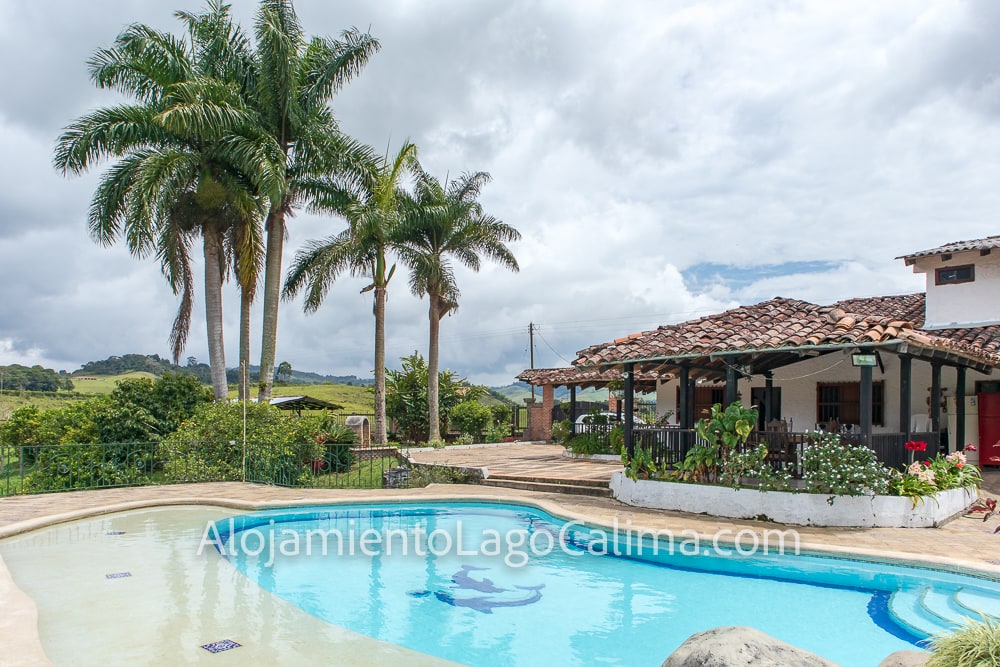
(131, 588)
(476, 599)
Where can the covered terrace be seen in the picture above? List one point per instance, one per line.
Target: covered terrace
(755, 341)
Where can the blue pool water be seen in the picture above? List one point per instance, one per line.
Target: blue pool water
(495, 602)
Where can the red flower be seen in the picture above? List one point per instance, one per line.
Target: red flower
(970, 448)
(926, 463)
(959, 465)
(916, 446)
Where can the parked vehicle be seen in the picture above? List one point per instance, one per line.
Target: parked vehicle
(597, 421)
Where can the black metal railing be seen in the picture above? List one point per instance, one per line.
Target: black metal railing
(784, 449)
(46, 469)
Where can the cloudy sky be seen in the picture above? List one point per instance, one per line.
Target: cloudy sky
(663, 160)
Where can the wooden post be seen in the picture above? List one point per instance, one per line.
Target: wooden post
(629, 420)
(936, 398)
(768, 398)
(572, 409)
(866, 402)
(684, 406)
(731, 387)
(959, 439)
(904, 395)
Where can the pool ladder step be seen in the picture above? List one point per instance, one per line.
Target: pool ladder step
(925, 611)
(579, 487)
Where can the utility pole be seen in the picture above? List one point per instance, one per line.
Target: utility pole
(531, 351)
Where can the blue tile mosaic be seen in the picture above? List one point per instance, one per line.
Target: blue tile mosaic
(220, 646)
(117, 575)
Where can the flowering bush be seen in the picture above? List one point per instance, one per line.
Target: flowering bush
(830, 466)
(941, 473)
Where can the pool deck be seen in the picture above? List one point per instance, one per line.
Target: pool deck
(963, 545)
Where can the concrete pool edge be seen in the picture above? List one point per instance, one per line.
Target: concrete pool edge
(551, 506)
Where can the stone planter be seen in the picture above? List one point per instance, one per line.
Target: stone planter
(803, 509)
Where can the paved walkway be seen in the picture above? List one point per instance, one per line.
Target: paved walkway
(517, 460)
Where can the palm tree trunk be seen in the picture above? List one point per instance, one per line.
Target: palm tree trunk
(213, 312)
(380, 435)
(272, 295)
(433, 390)
(245, 300)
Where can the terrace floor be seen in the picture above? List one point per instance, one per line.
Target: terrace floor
(522, 460)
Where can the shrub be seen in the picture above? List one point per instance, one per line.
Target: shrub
(973, 644)
(941, 473)
(589, 444)
(471, 417)
(497, 432)
(209, 446)
(829, 466)
(562, 431)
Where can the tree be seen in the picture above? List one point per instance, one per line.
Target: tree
(444, 223)
(182, 167)
(371, 206)
(284, 372)
(406, 396)
(295, 81)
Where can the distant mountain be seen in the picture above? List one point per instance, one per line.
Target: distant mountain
(519, 391)
(152, 363)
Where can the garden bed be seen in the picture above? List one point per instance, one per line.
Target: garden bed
(805, 509)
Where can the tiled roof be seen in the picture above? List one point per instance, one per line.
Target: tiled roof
(987, 243)
(789, 324)
(586, 377)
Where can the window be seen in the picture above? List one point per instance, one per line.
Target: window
(954, 275)
(842, 401)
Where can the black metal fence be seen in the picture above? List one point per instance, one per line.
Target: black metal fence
(784, 450)
(46, 469)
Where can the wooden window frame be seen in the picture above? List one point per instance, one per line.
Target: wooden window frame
(878, 403)
(940, 270)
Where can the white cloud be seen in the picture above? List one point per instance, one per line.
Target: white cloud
(627, 141)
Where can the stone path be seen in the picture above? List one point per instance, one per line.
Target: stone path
(534, 461)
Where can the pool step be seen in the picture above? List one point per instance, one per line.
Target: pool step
(579, 487)
(926, 611)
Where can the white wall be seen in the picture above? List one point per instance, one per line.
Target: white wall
(798, 388)
(973, 303)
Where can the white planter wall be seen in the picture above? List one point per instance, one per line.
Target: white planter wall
(804, 509)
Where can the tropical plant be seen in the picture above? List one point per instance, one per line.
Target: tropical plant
(406, 396)
(442, 224)
(179, 172)
(725, 432)
(294, 80)
(562, 431)
(371, 208)
(974, 644)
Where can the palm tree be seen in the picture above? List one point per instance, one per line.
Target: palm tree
(295, 81)
(444, 223)
(179, 171)
(371, 206)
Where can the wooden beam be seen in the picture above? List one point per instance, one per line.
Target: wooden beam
(904, 394)
(629, 418)
(731, 387)
(959, 435)
(935, 397)
(866, 401)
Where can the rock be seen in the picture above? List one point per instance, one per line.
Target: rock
(906, 659)
(741, 647)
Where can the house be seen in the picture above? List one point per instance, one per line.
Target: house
(882, 370)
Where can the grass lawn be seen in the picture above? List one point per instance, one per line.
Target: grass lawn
(356, 400)
(105, 384)
(362, 475)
